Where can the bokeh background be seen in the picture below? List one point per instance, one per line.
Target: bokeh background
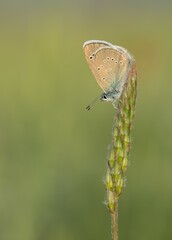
(52, 151)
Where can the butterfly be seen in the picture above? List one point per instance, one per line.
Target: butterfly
(110, 65)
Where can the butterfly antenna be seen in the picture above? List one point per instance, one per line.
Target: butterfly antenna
(92, 103)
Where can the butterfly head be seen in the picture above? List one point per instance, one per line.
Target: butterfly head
(110, 96)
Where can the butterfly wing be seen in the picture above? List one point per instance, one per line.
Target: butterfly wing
(109, 65)
(90, 47)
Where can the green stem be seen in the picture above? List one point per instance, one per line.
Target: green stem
(120, 147)
(114, 217)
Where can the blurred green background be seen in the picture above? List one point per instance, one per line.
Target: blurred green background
(52, 151)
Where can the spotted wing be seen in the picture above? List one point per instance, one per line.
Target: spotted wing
(90, 47)
(109, 66)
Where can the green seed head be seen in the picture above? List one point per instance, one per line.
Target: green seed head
(121, 140)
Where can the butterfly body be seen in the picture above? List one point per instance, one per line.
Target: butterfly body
(111, 65)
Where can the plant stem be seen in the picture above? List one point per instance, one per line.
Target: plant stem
(114, 217)
(120, 147)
